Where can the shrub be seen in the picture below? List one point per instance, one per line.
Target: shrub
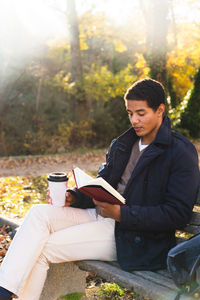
(72, 135)
(190, 119)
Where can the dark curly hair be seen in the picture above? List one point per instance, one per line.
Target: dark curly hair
(147, 89)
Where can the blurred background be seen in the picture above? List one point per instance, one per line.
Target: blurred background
(66, 64)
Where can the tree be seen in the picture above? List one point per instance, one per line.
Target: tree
(155, 14)
(76, 63)
(190, 119)
(80, 103)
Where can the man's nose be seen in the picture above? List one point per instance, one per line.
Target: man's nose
(134, 119)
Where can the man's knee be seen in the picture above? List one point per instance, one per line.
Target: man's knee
(43, 260)
(41, 211)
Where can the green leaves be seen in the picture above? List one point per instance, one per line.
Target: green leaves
(114, 291)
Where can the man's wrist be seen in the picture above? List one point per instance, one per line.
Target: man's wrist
(118, 214)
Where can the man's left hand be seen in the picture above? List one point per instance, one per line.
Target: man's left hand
(109, 210)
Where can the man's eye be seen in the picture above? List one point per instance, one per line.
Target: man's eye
(141, 115)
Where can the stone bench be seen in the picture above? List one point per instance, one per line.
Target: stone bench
(62, 279)
(66, 278)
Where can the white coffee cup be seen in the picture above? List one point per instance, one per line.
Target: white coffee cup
(57, 187)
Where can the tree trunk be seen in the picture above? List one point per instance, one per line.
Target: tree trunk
(39, 93)
(3, 141)
(76, 63)
(81, 109)
(155, 14)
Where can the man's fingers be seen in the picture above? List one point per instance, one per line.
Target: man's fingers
(69, 196)
(49, 200)
(69, 199)
(99, 203)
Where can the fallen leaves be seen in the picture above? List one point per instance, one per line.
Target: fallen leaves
(18, 194)
(43, 164)
(5, 240)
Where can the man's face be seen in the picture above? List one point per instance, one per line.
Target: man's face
(144, 119)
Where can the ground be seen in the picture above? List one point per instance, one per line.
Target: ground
(39, 165)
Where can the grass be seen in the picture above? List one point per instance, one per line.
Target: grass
(114, 291)
(105, 291)
(74, 296)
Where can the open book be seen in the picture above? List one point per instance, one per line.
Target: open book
(97, 188)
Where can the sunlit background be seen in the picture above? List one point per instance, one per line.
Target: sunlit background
(62, 71)
(27, 25)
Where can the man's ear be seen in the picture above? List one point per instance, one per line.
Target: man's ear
(161, 109)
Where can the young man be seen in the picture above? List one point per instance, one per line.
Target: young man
(157, 172)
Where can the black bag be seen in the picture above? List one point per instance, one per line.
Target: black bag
(183, 263)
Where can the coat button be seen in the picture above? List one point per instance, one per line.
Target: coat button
(138, 239)
(134, 213)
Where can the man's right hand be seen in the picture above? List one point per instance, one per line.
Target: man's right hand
(49, 200)
(69, 198)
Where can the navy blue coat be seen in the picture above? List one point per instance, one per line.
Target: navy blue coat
(160, 196)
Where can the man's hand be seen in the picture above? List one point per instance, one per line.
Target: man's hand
(109, 210)
(49, 200)
(69, 198)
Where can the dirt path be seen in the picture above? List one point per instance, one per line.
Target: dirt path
(39, 165)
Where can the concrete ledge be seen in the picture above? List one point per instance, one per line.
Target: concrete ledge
(10, 222)
(62, 278)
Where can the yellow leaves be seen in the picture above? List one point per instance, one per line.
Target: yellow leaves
(119, 46)
(141, 65)
(71, 181)
(18, 194)
(183, 60)
(83, 44)
(57, 49)
(60, 80)
(95, 25)
(101, 84)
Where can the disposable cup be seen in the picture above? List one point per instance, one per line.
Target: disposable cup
(57, 187)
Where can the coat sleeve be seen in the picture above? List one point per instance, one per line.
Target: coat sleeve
(180, 195)
(105, 169)
(83, 201)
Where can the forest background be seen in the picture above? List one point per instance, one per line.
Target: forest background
(65, 66)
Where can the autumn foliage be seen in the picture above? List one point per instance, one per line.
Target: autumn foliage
(56, 103)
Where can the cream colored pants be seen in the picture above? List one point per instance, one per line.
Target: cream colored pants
(52, 234)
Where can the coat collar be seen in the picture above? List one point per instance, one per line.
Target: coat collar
(164, 135)
(156, 148)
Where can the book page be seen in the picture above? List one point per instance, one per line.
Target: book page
(81, 177)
